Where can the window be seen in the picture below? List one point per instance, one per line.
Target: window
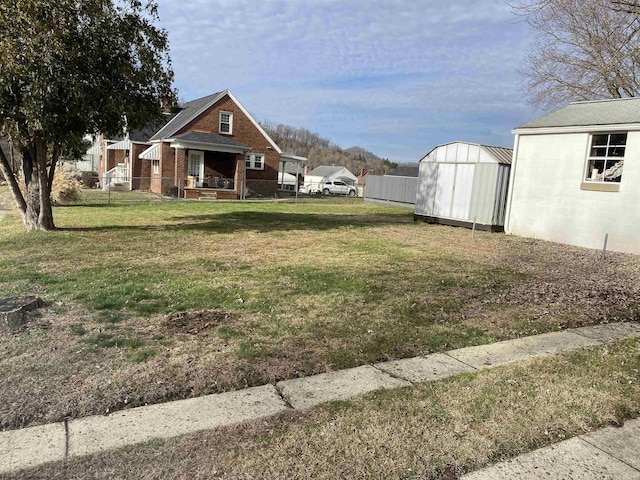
(254, 161)
(156, 166)
(226, 122)
(606, 157)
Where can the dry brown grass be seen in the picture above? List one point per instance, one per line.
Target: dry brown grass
(307, 289)
(430, 431)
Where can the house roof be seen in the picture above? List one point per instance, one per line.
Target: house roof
(405, 171)
(145, 134)
(599, 112)
(325, 171)
(190, 111)
(203, 137)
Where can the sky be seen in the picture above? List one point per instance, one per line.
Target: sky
(396, 77)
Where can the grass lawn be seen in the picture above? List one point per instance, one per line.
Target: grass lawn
(435, 430)
(148, 303)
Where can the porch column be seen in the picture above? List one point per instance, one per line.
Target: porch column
(180, 168)
(240, 176)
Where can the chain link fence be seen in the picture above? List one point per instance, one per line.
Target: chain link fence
(123, 190)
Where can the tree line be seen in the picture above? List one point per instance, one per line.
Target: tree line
(322, 151)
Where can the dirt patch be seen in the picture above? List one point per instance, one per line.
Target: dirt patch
(196, 322)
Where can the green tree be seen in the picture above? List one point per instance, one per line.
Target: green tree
(71, 68)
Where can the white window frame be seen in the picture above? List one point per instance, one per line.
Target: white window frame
(230, 123)
(155, 165)
(589, 176)
(252, 164)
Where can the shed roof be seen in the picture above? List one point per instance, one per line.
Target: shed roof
(502, 155)
(582, 114)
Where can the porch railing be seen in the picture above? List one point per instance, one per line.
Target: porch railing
(116, 175)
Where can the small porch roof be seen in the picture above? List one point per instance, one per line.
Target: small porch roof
(122, 145)
(151, 153)
(207, 141)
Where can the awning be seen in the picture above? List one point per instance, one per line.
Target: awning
(289, 157)
(95, 149)
(151, 153)
(123, 145)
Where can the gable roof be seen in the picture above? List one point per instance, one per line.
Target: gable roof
(193, 109)
(405, 171)
(325, 171)
(189, 112)
(502, 155)
(581, 114)
(144, 134)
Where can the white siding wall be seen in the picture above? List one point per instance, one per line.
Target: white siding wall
(547, 201)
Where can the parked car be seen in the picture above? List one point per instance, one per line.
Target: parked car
(338, 187)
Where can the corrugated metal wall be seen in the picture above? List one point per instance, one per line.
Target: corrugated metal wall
(391, 189)
(465, 192)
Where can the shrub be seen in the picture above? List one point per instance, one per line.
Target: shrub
(65, 188)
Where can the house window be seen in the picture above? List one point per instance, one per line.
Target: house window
(156, 166)
(254, 161)
(226, 122)
(606, 157)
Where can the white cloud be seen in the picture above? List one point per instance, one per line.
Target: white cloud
(356, 71)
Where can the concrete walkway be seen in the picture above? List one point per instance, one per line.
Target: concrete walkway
(34, 446)
(608, 454)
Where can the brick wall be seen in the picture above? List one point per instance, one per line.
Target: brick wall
(243, 131)
(141, 168)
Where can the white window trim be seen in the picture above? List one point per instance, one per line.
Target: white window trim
(586, 177)
(155, 165)
(250, 158)
(230, 132)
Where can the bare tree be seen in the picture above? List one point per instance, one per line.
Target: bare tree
(584, 50)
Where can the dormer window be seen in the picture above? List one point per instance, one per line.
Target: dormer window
(226, 123)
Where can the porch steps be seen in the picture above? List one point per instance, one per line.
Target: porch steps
(120, 186)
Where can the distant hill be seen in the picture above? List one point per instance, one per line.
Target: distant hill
(322, 151)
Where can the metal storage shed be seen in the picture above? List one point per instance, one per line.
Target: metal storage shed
(464, 183)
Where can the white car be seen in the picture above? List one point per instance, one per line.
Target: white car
(337, 187)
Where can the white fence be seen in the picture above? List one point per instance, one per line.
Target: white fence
(400, 191)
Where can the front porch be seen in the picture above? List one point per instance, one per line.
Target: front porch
(213, 175)
(206, 193)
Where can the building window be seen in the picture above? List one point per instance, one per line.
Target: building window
(226, 122)
(606, 157)
(156, 166)
(254, 161)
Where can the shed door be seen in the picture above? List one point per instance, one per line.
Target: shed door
(463, 187)
(444, 190)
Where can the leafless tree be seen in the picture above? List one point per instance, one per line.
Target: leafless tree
(584, 50)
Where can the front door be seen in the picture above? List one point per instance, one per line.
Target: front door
(196, 166)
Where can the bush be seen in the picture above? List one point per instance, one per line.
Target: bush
(66, 188)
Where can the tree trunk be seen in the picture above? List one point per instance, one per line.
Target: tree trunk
(38, 214)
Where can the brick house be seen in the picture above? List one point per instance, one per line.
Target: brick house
(210, 147)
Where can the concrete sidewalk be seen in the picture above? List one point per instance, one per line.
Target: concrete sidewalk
(608, 454)
(34, 446)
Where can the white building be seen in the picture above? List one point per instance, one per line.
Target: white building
(324, 173)
(464, 184)
(575, 176)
